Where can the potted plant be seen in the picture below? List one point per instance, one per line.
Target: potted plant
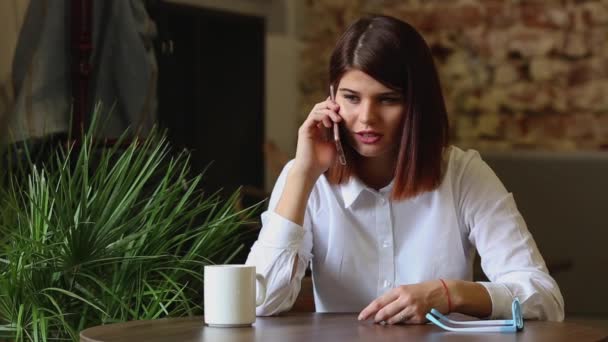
(93, 235)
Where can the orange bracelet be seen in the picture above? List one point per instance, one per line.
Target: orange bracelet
(447, 293)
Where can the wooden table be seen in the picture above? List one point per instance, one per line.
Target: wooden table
(327, 327)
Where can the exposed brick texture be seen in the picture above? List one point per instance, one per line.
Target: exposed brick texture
(515, 74)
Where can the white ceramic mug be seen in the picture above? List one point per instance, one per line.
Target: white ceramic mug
(230, 295)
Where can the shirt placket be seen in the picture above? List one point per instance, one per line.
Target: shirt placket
(385, 242)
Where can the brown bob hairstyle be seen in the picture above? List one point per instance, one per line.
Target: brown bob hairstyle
(395, 54)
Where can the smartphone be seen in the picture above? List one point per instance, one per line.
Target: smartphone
(341, 156)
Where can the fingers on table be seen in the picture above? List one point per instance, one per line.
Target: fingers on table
(377, 305)
(395, 312)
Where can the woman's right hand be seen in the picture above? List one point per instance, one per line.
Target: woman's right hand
(316, 150)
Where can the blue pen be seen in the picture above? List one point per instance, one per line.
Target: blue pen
(507, 325)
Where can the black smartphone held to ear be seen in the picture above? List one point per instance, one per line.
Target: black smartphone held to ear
(341, 156)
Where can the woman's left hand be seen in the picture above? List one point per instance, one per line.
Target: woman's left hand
(407, 303)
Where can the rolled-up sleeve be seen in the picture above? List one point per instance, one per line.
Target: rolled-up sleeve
(273, 254)
(509, 256)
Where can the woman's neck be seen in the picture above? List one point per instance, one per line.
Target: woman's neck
(376, 172)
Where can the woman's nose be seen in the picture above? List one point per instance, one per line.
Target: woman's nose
(367, 113)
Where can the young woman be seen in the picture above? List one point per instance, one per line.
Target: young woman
(394, 231)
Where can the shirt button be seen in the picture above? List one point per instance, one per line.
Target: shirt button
(386, 243)
(387, 284)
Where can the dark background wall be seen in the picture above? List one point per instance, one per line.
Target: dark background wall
(211, 90)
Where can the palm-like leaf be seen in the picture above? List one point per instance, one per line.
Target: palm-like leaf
(97, 235)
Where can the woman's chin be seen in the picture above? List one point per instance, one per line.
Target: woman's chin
(370, 152)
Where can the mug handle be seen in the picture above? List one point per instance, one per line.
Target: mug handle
(261, 296)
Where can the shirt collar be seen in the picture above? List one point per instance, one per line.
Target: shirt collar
(352, 189)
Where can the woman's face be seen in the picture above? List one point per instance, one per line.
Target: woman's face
(372, 114)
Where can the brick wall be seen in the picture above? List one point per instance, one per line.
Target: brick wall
(516, 74)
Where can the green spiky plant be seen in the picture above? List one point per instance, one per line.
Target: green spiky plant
(93, 235)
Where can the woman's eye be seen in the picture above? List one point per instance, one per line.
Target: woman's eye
(351, 98)
(390, 100)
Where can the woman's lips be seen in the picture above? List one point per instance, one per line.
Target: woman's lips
(368, 138)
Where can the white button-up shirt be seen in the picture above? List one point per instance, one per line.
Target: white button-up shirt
(364, 243)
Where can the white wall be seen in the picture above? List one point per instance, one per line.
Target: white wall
(281, 96)
(11, 17)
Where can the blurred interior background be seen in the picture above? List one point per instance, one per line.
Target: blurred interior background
(525, 82)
